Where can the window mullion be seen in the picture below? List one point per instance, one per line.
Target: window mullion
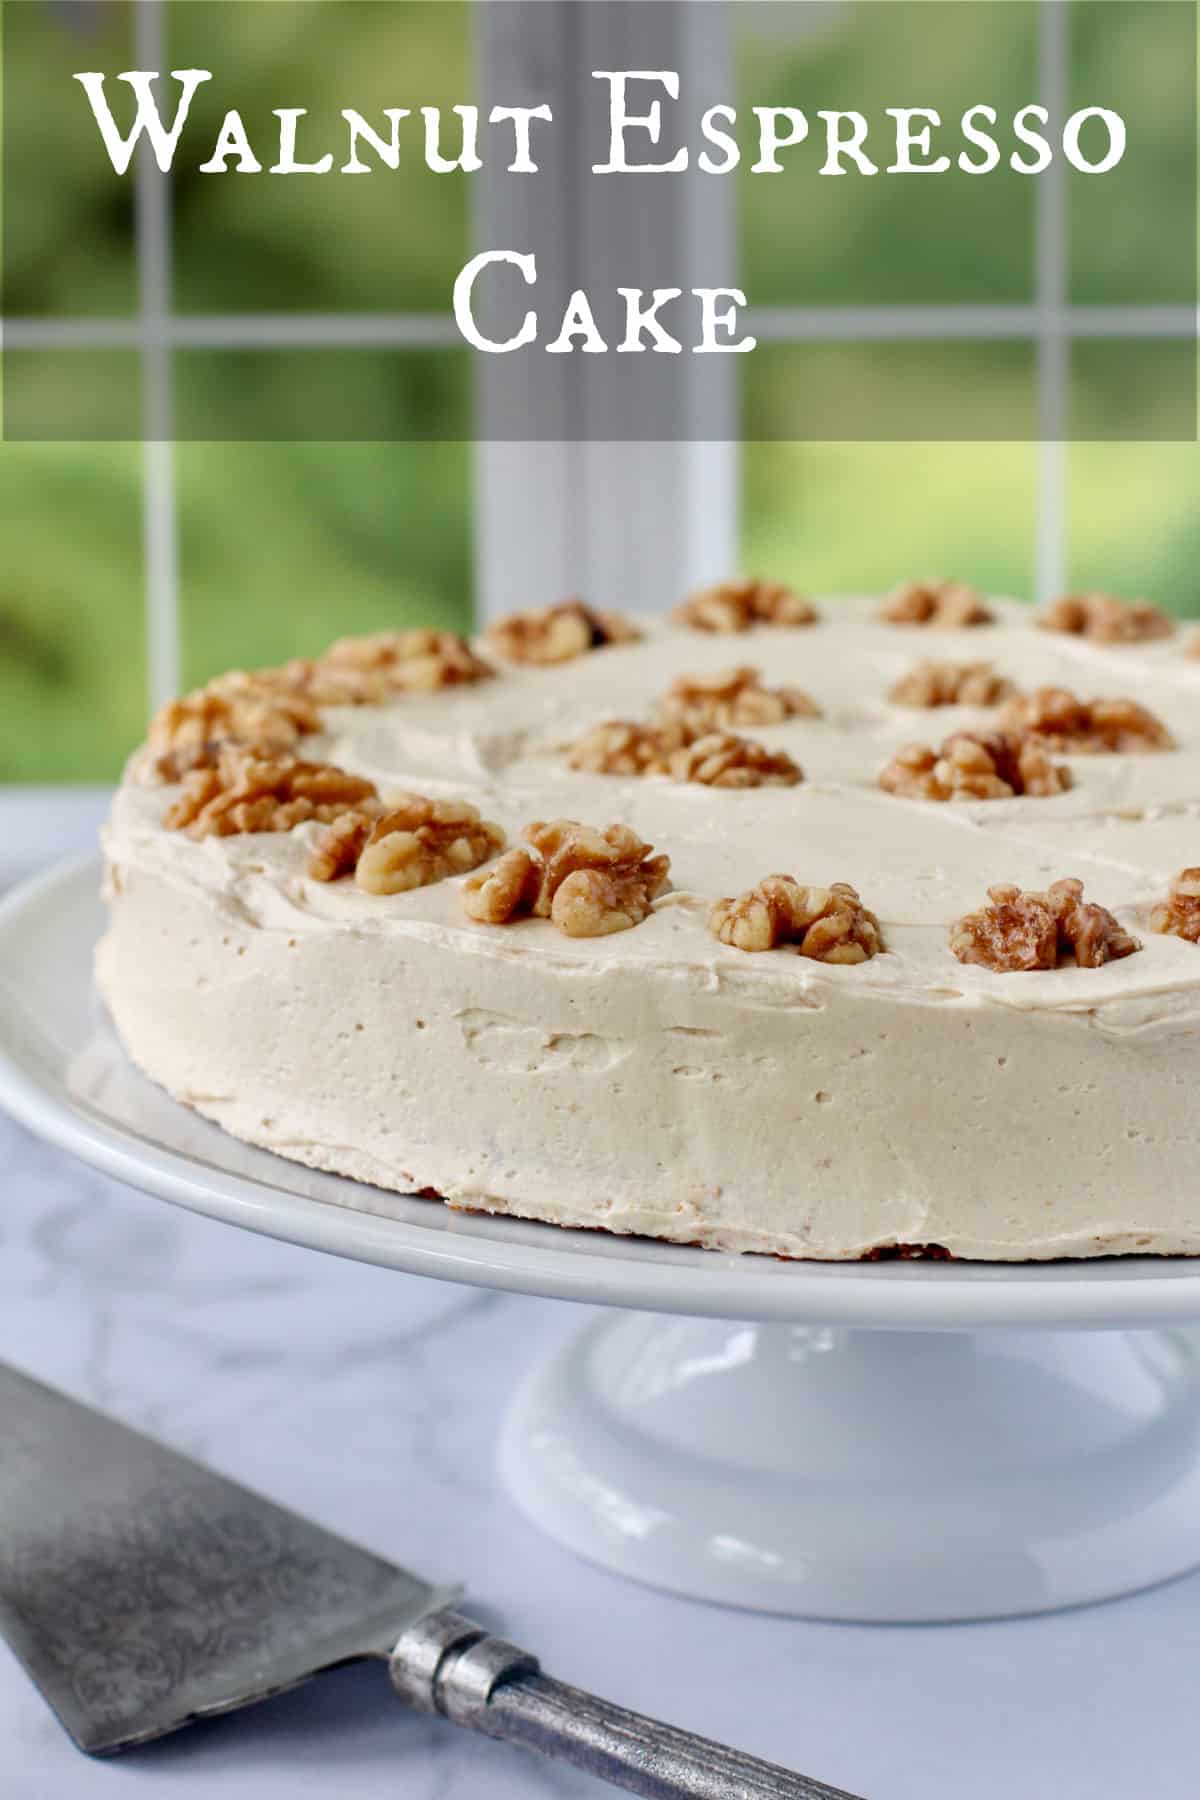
(152, 225)
(1053, 341)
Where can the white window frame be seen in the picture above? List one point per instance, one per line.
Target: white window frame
(631, 523)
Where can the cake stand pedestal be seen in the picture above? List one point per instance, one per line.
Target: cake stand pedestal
(870, 1475)
(880, 1441)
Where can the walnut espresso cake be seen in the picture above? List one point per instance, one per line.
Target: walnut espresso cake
(843, 931)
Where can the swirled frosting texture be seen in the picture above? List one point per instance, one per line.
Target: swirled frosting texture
(657, 1081)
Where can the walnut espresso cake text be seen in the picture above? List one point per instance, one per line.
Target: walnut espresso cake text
(823, 929)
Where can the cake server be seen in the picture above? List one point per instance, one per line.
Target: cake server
(143, 1591)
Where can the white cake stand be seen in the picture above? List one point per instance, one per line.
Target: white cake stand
(897, 1441)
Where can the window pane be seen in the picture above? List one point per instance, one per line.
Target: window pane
(858, 518)
(881, 391)
(390, 242)
(285, 546)
(72, 670)
(855, 517)
(862, 241)
(68, 234)
(360, 395)
(1135, 522)
(1133, 232)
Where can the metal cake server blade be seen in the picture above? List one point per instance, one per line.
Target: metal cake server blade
(143, 1591)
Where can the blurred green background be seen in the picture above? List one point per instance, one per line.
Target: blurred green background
(284, 545)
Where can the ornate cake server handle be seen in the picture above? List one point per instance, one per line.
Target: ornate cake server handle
(450, 1665)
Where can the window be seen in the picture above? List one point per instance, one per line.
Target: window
(134, 570)
(250, 551)
(1024, 517)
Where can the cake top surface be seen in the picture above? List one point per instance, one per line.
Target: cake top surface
(1125, 826)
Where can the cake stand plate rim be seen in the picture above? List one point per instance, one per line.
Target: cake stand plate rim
(48, 927)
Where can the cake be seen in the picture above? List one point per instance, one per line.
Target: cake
(757, 926)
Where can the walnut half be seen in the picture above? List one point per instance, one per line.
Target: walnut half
(1060, 721)
(1105, 619)
(951, 684)
(623, 747)
(418, 841)
(732, 698)
(713, 758)
(246, 792)
(557, 634)
(721, 759)
(994, 765)
(1023, 932)
(588, 882)
(238, 709)
(386, 662)
(1179, 914)
(945, 603)
(732, 606)
(828, 924)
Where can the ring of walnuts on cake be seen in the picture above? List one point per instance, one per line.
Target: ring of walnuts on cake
(735, 606)
(1027, 931)
(587, 881)
(943, 603)
(828, 924)
(1179, 914)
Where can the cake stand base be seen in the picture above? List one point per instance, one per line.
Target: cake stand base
(869, 1475)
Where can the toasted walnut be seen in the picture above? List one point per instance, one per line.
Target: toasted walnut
(1017, 931)
(828, 924)
(566, 848)
(621, 747)
(737, 605)
(190, 733)
(720, 759)
(418, 661)
(1036, 931)
(1179, 914)
(946, 603)
(951, 684)
(505, 889)
(323, 684)
(269, 710)
(1060, 721)
(418, 841)
(993, 765)
(593, 903)
(1038, 776)
(1105, 619)
(340, 845)
(557, 634)
(714, 758)
(246, 792)
(586, 881)
(733, 697)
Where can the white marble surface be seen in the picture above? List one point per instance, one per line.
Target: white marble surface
(371, 1401)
